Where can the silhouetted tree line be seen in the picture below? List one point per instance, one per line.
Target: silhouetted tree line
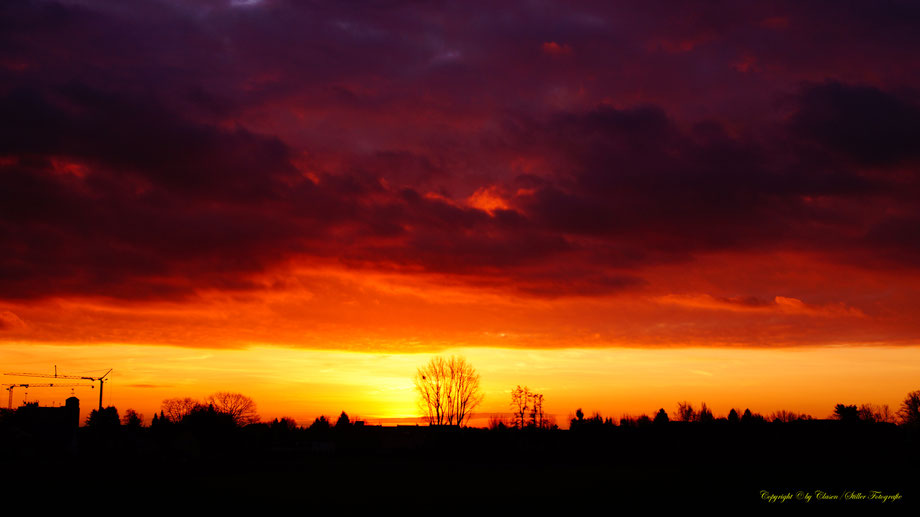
(203, 442)
(908, 416)
(203, 433)
(240, 409)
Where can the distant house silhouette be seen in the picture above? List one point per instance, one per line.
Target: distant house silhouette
(53, 427)
(31, 415)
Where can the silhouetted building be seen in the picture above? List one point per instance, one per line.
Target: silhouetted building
(33, 416)
(46, 429)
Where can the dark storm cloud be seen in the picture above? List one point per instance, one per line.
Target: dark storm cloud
(104, 195)
(861, 123)
(140, 137)
(635, 175)
(156, 149)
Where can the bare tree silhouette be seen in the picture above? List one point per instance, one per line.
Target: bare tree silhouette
(874, 413)
(537, 417)
(525, 402)
(448, 390)
(177, 408)
(520, 403)
(786, 416)
(240, 407)
(685, 412)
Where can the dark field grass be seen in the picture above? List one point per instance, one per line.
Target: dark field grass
(676, 465)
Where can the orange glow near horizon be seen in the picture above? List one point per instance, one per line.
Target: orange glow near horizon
(319, 340)
(720, 300)
(377, 387)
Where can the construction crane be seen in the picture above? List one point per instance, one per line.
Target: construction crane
(101, 379)
(50, 385)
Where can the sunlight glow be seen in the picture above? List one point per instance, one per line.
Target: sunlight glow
(378, 387)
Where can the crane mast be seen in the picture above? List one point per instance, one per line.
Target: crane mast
(30, 385)
(101, 379)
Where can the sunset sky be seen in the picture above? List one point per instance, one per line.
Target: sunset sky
(621, 205)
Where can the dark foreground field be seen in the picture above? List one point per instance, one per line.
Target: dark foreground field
(800, 464)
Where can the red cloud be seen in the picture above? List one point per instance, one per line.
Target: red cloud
(554, 49)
